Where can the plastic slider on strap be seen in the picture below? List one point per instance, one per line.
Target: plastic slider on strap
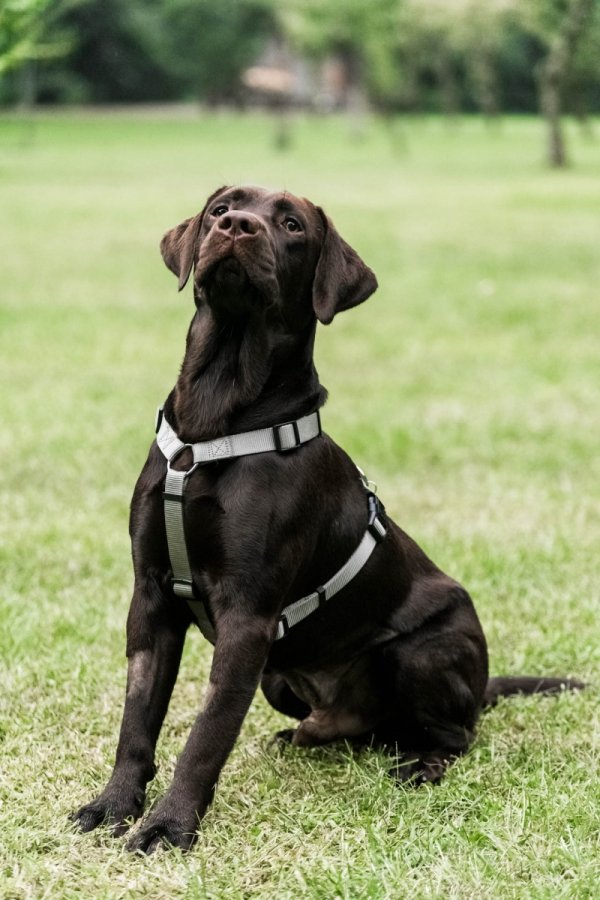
(286, 436)
(183, 588)
(282, 627)
(376, 526)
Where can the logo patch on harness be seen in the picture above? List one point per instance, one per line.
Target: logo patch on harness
(220, 448)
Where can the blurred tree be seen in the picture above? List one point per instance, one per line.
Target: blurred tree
(428, 31)
(582, 89)
(394, 54)
(21, 32)
(563, 26)
(24, 27)
(478, 33)
(146, 50)
(469, 49)
(353, 32)
(115, 55)
(208, 44)
(415, 54)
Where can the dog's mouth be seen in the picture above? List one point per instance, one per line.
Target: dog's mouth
(228, 274)
(234, 277)
(220, 269)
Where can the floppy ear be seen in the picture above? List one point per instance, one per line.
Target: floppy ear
(342, 279)
(178, 246)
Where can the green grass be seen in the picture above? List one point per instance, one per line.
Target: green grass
(468, 388)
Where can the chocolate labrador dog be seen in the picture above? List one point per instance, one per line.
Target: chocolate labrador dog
(386, 648)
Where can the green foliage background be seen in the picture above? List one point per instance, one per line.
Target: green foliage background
(405, 54)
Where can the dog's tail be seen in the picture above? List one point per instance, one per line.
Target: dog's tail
(527, 684)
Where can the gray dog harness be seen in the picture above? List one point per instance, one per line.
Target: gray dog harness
(280, 438)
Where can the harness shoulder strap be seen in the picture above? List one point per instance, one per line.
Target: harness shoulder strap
(182, 582)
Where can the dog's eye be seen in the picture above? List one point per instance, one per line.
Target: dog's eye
(220, 210)
(292, 224)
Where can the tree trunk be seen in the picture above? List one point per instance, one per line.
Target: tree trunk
(485, 82)
(449, 91)
(554, 71)
(356, 98)
(550, 102)
(28, 86)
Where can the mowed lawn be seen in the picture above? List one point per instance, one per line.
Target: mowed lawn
(468, 388)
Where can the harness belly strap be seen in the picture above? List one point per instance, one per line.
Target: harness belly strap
(300, 609)
(281, 438)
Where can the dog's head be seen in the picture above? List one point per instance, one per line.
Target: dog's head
(254, 249)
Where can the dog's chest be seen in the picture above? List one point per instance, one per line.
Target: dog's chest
(203, 520)
(225, 523)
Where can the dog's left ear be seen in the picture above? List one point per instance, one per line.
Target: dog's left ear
(178, 246)
(342, 279)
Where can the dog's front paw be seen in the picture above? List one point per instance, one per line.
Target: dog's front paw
(161, 829)
(109, 809)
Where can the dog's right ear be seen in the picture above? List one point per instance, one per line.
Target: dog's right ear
(178, 246)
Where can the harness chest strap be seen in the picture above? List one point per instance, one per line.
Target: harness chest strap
(286, 436)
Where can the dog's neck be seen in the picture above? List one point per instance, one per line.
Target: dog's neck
(238, 376)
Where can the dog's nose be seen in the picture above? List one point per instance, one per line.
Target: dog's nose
(239, 223)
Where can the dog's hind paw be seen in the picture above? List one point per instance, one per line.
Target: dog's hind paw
(282, 738)
(416, 770)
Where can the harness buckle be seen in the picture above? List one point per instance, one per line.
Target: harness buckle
(282, 438)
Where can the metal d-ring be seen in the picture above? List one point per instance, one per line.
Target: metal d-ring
(178, 452)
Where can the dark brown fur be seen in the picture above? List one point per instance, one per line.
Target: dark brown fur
(398, 657)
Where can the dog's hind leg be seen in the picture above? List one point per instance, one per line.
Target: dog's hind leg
(433, 726)
(155, 637)
(281, 696)
(434, 681)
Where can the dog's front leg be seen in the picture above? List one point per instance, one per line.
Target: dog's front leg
(240, 652)
(154, 645)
